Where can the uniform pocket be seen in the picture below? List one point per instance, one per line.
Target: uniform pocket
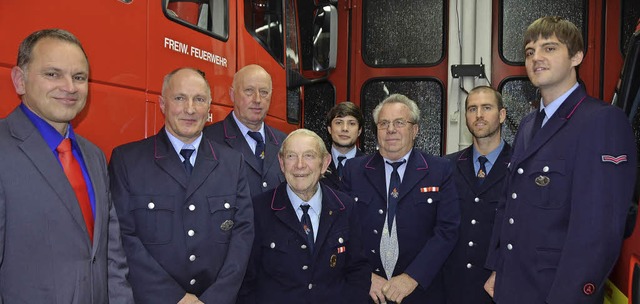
(547, 184)
(153, 217)
(223, 209)
(275, 258)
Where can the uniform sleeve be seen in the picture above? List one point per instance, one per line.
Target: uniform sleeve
(148, 278)
(601, 190)
(358, 271)
(493, 255)
(426, 265)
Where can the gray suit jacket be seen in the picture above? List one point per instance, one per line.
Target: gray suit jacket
(45, 252)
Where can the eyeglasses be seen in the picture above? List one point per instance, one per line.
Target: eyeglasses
(398, 124)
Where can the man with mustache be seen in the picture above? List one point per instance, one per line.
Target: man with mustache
(479, 174)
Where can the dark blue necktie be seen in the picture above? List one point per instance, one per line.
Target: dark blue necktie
(186, 153)
(394, 192)
(259, 145)
(307, 226)
(340, 166)
(537, 123)
(482, 172)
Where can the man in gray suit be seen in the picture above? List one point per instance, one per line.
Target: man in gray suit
(183, 203)
(59, 235)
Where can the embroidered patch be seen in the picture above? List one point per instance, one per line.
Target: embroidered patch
(614, 159)
(429, 189)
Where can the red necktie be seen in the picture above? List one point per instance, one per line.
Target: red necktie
(72, 169)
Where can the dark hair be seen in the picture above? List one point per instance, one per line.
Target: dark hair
(344, 109)
(496, 94)
(565, 31)
(26, 47)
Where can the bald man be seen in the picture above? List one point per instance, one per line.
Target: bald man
(244, 129)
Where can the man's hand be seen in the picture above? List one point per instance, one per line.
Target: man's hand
(490, 284)
(190, 299)
(399, 287)
(376, 289)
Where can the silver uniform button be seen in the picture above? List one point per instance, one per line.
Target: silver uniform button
(545, 169)
(192, 257)
(514, 195)
(305, 267)
(301, 247)
(273, 245)
(355, 198)
(511, 221)
(380, 211)
(191, 233)
(429, 200)
(520, 171)
(473, 222)
(151, 205)
(509, 246)
(471, 244)
(192, 282)
(227, 205)
(477, 199)
(264, 184)
(373, 251)
(469, 265)
(340, 240)
(310, 285)
(192, 207)
(375, 231)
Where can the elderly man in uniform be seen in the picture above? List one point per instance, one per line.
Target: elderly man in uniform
(244, 130)
(183, 203)
(559, 229)
(408, 205)
(480, 173)
(344, 124)
(307, 247)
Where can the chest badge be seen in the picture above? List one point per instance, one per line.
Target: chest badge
(226, 225)
(333, 260)
(542, 180)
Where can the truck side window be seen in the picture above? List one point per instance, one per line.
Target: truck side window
(263, 20)
(520, 98)
(516, 17)
(403, 33)
(210, 16)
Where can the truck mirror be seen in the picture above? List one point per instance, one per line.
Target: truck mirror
(325, 38)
